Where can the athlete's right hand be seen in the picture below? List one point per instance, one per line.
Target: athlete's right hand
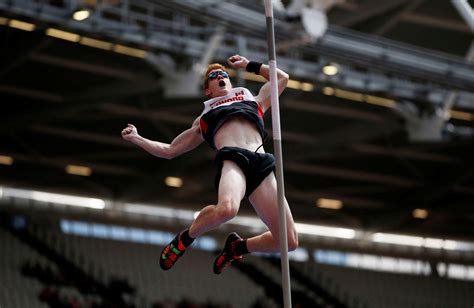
(129, 132)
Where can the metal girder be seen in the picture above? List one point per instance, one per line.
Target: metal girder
(355, 202)
(114, 90)
(430, 126)
(429, 197)
(396, 18)
(32, 93)
(408, 16)
(80, 135)
(404, 153)
(22, 55)
(383, 55)
(371, 10)
(351, 134)
(441, 23)
(369, 117)
(93, 98)
(354, 175)
(162, 116)
(95, 69)
(338, 44)
(101, 168)
(189, 83)
(389, 57)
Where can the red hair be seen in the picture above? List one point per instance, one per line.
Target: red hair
(211, 67)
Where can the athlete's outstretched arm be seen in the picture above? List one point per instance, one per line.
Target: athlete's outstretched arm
(184, 142)
(263, 97)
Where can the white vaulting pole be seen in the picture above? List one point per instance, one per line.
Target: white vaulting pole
(466, 11)
(285, 270)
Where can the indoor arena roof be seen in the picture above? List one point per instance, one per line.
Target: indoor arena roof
(371, 136)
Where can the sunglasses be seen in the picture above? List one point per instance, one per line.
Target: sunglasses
(214, 74)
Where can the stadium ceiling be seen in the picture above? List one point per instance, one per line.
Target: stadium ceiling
(391, 132)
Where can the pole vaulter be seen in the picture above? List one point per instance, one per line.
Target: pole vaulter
(232, 123)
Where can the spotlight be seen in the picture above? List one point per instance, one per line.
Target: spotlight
(6, 160)
(78, 170)
(420, 213)
(81, 14)
(330, 70)
(332, 204)
(173, 181)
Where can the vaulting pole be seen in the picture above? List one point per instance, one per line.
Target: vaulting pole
(466, 11)
(285, 270)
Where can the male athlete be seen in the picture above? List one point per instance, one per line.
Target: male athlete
(232, 123)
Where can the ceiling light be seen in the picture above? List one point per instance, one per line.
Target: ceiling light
(398, 239)
(328, 91)
(350, 95)
(461, 115)
(68, 200)
(63, 35)
(53, 198)
(21, 25)
(293, 84)
(81, 15)
(6, 160)
(332, 204)
(129, 51)
(87, 41)
(3, 21)
(417, 241)
(385, 102)
(435, 243)
(173, 181)
(325, 231)
(78, 170)
(330, 70)
(420, 213)
(159, 211)
(307, 87)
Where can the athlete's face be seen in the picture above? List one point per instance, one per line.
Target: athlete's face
(218, 83)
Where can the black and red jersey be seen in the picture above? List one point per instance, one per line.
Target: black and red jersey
(239, 102)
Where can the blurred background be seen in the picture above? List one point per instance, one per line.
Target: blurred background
(377, 127)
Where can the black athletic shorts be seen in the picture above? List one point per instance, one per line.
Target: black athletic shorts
(256, 166)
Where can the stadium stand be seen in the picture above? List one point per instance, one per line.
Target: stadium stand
(17, 290)
(380, 289)
(43, 267)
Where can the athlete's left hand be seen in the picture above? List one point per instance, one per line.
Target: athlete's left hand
(237, 61)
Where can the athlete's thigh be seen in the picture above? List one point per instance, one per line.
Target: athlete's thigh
(232, 183)
(264, 199)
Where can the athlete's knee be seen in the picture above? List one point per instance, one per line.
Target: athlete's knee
(227, 209)
(292, 240)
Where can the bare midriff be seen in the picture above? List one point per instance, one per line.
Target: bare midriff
(239, 132)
